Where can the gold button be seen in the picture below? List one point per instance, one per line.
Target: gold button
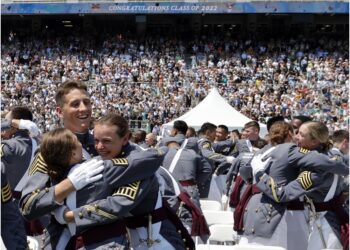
(253, 230)
(270, 213)
(179, 231)
(80, 215)
(33, 192)
(271, 206)
(38, 190)
(268, 220)
(243, 229)
(184, 240)
(47, 190)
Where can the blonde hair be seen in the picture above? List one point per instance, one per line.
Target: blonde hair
(319, 131)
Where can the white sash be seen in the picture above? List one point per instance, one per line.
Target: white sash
(332, 189)
(177, 157)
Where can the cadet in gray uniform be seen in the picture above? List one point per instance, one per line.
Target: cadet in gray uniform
(74, 109)
(219, 162)
(187, 167)
(222, 144)
(17, 151)
(182, 204)
(12, 227)
(267, 216)
(136, 201)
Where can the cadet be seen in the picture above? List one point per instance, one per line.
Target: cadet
(251, 142)
(220, 163)
(74, 109)
(179, 131)
(187, 167)
(340, 139)
(182, 204)
(150, 222)
(222, 144)
(61, 149)
(286, 161)
(12, 227)
(18, 150)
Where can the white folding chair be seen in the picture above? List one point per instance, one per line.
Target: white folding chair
(219, 234)
(256, 247)
(33, 243)
(210, 205)
(218, 217)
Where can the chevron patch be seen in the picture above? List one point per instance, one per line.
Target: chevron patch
(120, 161)
(305, 179)
(38, 165)
(304, 150)
(335, 158)
(206, 145)
(6, 193)
(129, 191)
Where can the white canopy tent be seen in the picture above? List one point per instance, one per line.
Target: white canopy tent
(214, 109)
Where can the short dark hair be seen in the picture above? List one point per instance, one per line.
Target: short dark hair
(340, 135)
(224, 127)
(181, 126)
(20, 112)
(303, 118)
(254, 124)
(272, 120)
(207, 126)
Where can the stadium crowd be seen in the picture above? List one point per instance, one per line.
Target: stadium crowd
(158, 79)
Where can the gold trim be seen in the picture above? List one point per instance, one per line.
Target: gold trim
(273, 189)
(129, 191)
(6, 193)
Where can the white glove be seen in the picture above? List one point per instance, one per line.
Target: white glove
(258, 165)
(58, 213)
(229, 159)
(86, 173)
(29, 125)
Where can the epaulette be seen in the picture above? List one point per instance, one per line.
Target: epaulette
(304, 151)
(129, 191)
(305, 180)
(6, 193)
(38, 165)
(206, 145)
(120, 161)
(335, 158)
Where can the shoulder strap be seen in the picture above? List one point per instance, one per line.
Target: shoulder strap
(177, 156)
(332, 189)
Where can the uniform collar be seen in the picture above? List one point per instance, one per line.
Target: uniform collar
(83, 137)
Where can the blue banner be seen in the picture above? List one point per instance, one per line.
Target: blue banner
(175, 8)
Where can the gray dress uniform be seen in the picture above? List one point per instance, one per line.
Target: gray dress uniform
(16, 153)
(180, 202)
(224, 147)
(315, 183)
(190, 170)
(217, 161)
(135, 201)
(265, 210)
(118, 172)
(12, 227)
